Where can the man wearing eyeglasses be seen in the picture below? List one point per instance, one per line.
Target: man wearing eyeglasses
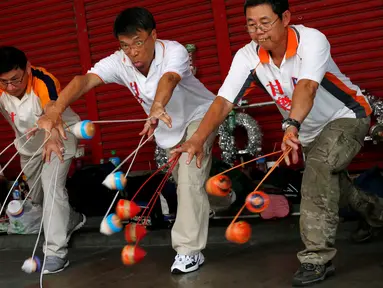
(157, 72)
(26, 91)
(322, 110)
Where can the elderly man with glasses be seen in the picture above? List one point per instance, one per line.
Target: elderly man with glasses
(323, 112)
(157, 72)
(26, 92)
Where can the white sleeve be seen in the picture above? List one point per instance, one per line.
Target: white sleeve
(176, 60)
(108, 69)
(315, 57)
(239, 81)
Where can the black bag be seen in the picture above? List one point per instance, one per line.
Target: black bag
(85, 190)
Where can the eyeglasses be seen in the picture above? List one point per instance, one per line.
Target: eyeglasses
(136, 46)
(12, 82)
(264, 27)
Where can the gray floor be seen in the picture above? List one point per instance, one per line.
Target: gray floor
(227, 265)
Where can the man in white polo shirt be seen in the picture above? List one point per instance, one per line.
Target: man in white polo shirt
(322, 110)
(157, 72)
(25, 93)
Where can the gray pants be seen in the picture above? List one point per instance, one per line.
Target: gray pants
(326, 186)
(42, 194)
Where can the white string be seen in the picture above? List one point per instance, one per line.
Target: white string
(10, 145)
(42, 145)
(126, 175)
(120, 121)
(138, 148)
(49, 226)
(126, 121)
(30, 190)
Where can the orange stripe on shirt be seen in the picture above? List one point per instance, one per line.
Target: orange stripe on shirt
(352, 93)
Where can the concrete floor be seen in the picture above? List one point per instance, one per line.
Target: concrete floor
(227, 265)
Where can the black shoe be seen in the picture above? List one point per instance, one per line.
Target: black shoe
(309, 274)
(363, 233)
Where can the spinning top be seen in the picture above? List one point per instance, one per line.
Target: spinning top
(219, 185)
(238, 232)
(132, 254)
(31, 265)
(134, 232)
(83, 130)
(111, 224)
(257, 201)
(115, 181)
(15, 208)
(126, 209)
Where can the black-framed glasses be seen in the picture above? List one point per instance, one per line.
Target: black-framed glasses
(13, 82)
(139, 44)
(264, 27)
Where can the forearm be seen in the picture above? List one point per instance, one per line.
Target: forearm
(72, 92)
(165, 88)
(216, 114)
(303, 100)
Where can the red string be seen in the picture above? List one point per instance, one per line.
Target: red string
(151, 176)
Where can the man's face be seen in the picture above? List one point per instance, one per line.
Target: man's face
(271, 29)
(139, 48)
(15, 81)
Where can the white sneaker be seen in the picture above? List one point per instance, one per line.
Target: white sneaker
(186, 263)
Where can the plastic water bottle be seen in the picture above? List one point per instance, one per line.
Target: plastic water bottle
(16, 195)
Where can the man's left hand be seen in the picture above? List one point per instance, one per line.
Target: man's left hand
(290, 139)
(157, 112)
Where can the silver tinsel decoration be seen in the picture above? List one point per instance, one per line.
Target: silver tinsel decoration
(376, 105)
(161, 157)
(227, 140)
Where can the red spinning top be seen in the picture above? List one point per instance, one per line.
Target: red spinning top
(257, 201)
(238, 232)
(219, 185)
(126, 209)
(132, 254)
(134, 232)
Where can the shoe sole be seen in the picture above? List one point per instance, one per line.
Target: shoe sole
(77, 227)
(195, 268)
(328, 273)
(46, 272)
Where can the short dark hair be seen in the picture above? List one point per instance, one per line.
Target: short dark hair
(11, 58)
(278, 6)
(131, 20)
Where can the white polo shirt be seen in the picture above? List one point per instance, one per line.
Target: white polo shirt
(22, 114)
(190, 100)
(307, 57)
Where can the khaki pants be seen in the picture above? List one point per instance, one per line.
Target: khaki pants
(190, 230)
(326, 185)
(42, 194)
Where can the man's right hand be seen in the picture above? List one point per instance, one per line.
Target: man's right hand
(52, 119)
(194, 147)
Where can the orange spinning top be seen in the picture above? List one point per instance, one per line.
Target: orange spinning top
(257, 201)
(126, 209)
(219, 185)
(238, 232)
(134, 232)
(132, 254)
